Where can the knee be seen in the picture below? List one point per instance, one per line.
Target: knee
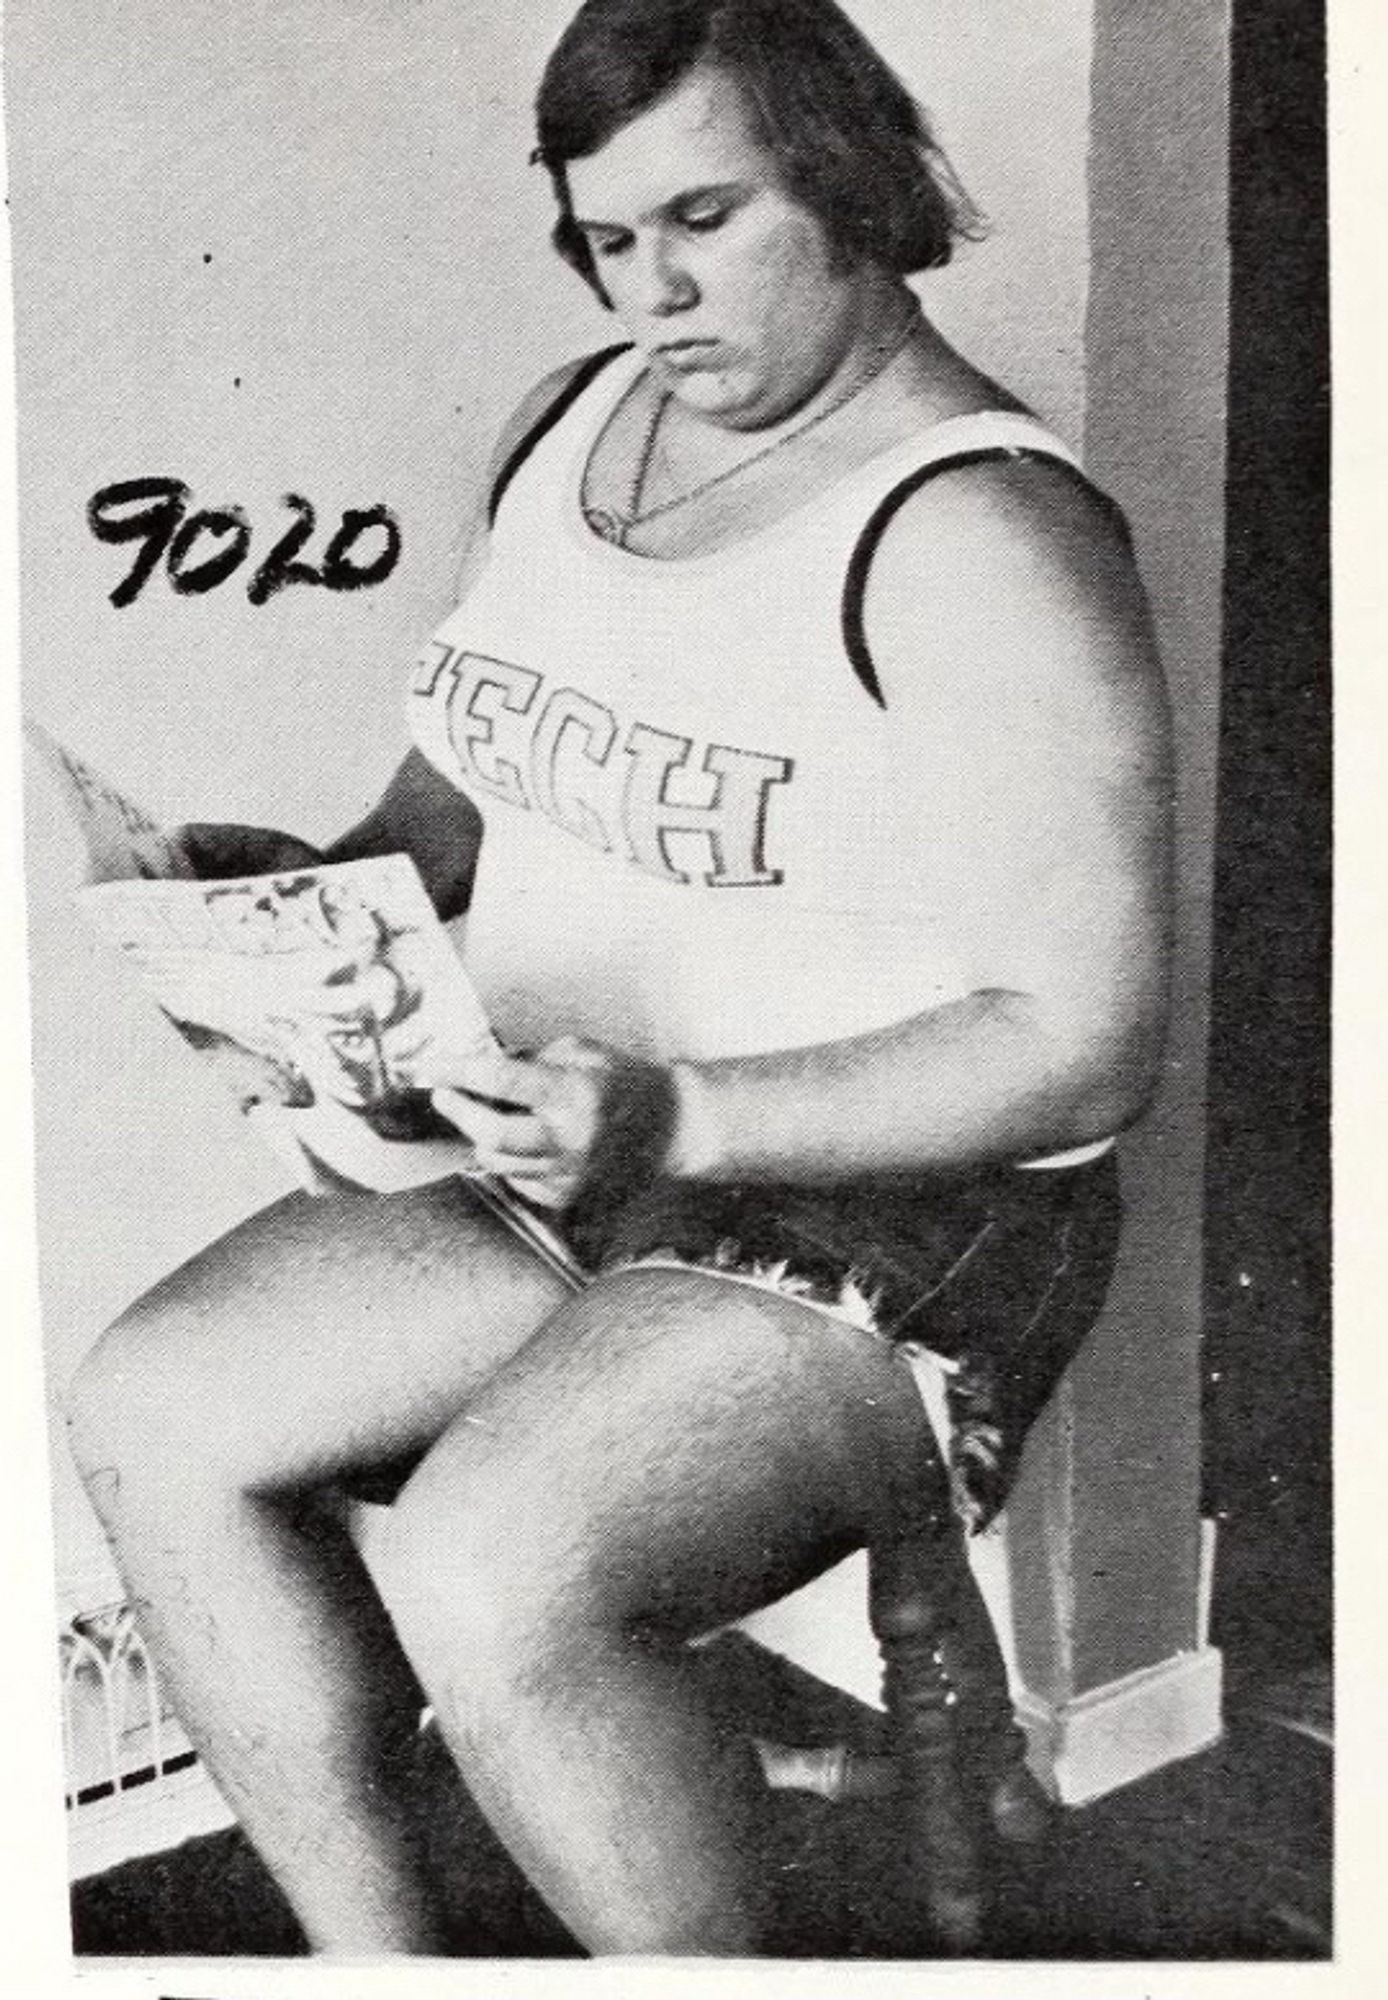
(488, 1597)
(98, 1407)
(133, 1419)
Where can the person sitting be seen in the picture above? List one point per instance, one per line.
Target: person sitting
(800, 755)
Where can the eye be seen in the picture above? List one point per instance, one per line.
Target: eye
(348, 1041)
(611, 244)
(706, 217)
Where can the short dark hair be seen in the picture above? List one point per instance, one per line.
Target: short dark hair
(848, 139)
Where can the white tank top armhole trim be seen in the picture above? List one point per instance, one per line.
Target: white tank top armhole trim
(1079, 1157)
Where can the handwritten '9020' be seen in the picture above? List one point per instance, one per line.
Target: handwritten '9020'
(203, 549)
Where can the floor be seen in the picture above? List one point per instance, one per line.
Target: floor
(1226, 1856)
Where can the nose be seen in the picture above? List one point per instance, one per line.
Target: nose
(665, 285)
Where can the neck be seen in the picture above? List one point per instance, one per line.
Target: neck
(880, 337)
(887, 317)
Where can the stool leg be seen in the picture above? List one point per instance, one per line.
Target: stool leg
(940, 1870)
(946, 1695)
(991, 1741)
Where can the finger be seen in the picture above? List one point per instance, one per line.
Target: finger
(542, 1172)
(229, 851)
(491, 1131)
(572, 1052)
(492, 1073)
(542, 1193)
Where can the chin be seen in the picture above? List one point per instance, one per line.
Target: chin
(738, 404)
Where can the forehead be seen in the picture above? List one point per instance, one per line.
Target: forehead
(700, 134)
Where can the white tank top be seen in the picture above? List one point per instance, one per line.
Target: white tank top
(698, 823)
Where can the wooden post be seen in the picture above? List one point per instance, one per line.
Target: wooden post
(1105, 1540)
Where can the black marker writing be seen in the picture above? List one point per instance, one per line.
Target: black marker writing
(201, 550)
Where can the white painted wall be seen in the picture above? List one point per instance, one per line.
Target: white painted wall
(378, 293)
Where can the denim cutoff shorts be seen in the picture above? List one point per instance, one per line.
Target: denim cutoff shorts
(998, 1274)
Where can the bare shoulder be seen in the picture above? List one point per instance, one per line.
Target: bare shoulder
(1012, 583)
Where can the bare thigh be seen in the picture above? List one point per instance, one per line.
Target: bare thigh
(668, 1453)
(321, 1336)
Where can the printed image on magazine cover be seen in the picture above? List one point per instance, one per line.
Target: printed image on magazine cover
(339, 1021)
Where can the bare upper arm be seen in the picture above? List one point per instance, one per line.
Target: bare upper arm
(420, 813)
(1013, 642)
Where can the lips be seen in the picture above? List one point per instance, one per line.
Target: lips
(687, 351)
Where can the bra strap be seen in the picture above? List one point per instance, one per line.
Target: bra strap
(860, 562)
(587, 371)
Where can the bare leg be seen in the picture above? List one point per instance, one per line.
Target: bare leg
(668, 1453)
(319, 1337)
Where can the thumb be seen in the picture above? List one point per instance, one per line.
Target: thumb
(574, 1052)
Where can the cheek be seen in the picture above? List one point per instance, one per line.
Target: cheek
(788, 268)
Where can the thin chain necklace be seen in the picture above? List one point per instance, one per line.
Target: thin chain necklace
(616, 527)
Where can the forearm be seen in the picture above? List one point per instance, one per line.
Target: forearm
(422, 815)
(982, 1080)
(989, 1079)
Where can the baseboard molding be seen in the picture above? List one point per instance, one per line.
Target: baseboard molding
(1100, 1741)
(1127, 1729)
(172, 1808)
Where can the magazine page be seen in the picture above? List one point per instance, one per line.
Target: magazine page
(310, 992)
(315, 993)
(123, 841)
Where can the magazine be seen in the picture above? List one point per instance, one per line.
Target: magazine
(318, 993)
(123, 841)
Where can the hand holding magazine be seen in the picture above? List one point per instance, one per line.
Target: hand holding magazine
(319, 991)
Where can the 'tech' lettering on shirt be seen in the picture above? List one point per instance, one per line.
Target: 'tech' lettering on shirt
(623, 786)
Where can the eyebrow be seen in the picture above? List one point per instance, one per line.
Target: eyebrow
(684, 199)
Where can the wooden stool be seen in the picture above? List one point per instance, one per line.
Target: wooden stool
(961, 1774)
